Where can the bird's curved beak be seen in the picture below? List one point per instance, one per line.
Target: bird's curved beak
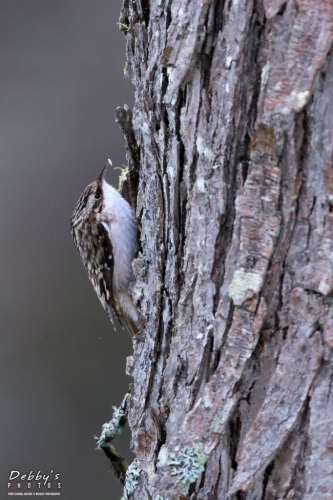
(101, 177)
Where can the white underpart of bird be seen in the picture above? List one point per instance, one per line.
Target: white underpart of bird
(122, 229)
(104, 231)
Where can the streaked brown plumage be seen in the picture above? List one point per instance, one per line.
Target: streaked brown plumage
(104, 232)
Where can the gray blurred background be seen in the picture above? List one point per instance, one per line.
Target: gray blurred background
(61, 364)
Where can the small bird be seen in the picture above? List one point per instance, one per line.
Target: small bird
(104, 232)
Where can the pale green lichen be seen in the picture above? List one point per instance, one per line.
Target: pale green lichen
(112, 428)
(301, 98)
(116, 424)
(131, 479)
(243, 282)
(265, 73)
(123, 27)
(122, 176)
(188, 464)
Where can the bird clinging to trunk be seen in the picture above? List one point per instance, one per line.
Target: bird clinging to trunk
(104, 232)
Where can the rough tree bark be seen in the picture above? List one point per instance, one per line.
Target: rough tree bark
(230, 150)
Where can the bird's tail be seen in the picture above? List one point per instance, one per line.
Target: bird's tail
(131, 326)
(129, 313)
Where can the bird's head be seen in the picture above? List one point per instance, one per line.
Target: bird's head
(91, 200)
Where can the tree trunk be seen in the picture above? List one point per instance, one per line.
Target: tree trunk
(230, 150)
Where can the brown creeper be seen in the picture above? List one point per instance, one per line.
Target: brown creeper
(104, 232)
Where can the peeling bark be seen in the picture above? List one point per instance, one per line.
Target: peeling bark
(230, 154)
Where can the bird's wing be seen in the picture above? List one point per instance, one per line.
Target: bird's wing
(102, 273)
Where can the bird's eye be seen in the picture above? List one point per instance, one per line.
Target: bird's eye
(97, 196)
